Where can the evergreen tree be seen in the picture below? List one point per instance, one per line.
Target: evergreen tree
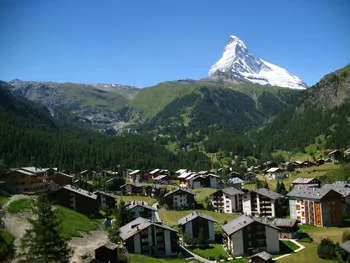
(201, 240)
(42, 242)
(122, 217)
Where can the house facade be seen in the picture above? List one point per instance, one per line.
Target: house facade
(180, 198)
(227, 200)
(62, 179)
(288, 228)
(105, 199)
(76, 199)
(141, 209)
(275, 173)
(306, 182)
(192, 224)
(247, 235)
(261, 202)
(316, 206)
(26, 180)
(142, 236)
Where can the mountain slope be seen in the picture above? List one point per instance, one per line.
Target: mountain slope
(239, 66)
(96, 104)
(324, 109)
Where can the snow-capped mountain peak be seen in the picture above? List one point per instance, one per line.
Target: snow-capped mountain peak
(238, 65)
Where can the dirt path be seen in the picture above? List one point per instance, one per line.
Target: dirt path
(83, 247)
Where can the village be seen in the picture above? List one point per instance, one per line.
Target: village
(207, 216)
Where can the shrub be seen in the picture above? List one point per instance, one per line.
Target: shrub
(326, 249)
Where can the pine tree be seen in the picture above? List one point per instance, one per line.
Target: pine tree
(123, 217)
(42, 242)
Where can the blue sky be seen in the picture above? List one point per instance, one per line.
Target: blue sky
(142, 43)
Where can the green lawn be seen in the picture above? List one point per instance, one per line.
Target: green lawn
(73, 223)
(133, 258)
(202, 193)
(290, 244)
(307, 255)
(170, 217)
(213, 250)
(19, 205)
(128, 198)
(334, 233)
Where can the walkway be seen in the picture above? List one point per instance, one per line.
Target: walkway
(295, 242)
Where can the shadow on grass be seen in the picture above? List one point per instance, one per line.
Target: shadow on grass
(284, 249)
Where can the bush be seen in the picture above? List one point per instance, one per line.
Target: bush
(326, 249)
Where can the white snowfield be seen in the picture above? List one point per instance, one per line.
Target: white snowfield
(236, 62)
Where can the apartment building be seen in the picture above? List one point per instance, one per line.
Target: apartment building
(227, 200)
(180, 198)
(315, 206)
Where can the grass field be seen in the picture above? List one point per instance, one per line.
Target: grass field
(19, 205)
(202, 193)
(170, 217)
(73, 223)
(290, 244)
(128, 198)
(307, 255)
(213, 250)
(334, 233)
(146, 259)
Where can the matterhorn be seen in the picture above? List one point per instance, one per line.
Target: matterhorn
(239, 66)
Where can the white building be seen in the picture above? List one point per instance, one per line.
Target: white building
(275, 173)
(228, 200)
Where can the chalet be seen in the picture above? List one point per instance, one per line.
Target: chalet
(288, 228)
(162, 179)
(315, 206)
(180, 198)
(262, 257)
(87, 174)
(235, 182)
(342, 188)
(249, 177)
(157, 172)
(83, 185)
(181, 171)
(141, 189)
(313, 182)
(105, 199)
(335, 155)
(62, 179)
(275, 173)
(185, 177)
(261, 202)
(76, 199)
(192, 224)
(227, 200)
(247, 235)
(141, 209)
(191, 179)
(107, 253)
(138, 176)
(142, 236)
(26, 180)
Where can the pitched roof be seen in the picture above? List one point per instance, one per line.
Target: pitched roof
(79, 191)
(342, 188)
(184, 175)
(109, 245)
(268, 193)
(154, 171)
(138, 225)
(274, 170)
(231, 191)
(193, 215)
(241, 222)
(235, 180)
(134, 172)
(302, 180)
(263, 255)
(104, 193)
(132, 204)
(309, 193)
(180, 189)
(346, 246)
(282, 222)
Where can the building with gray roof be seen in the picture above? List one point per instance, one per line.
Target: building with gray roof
(247, 235)
(227, 200)
(142, 236)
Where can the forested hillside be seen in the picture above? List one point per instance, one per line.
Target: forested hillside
(324, 109)
(29, 135)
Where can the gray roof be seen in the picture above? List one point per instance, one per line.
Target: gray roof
(282, 222)
(309, 193)
(346, 246)
(268, 193)
(138, 225)
(231, 191)
(193, 215)
(235, 180)
(263, 255)
(342, 188)
(109, 245)
(180, 189)
(241, 222)
(79, 191)
(104, 193)
(132, 204)
(302, 180)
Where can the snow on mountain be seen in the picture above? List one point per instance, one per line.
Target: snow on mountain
(238, 65)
